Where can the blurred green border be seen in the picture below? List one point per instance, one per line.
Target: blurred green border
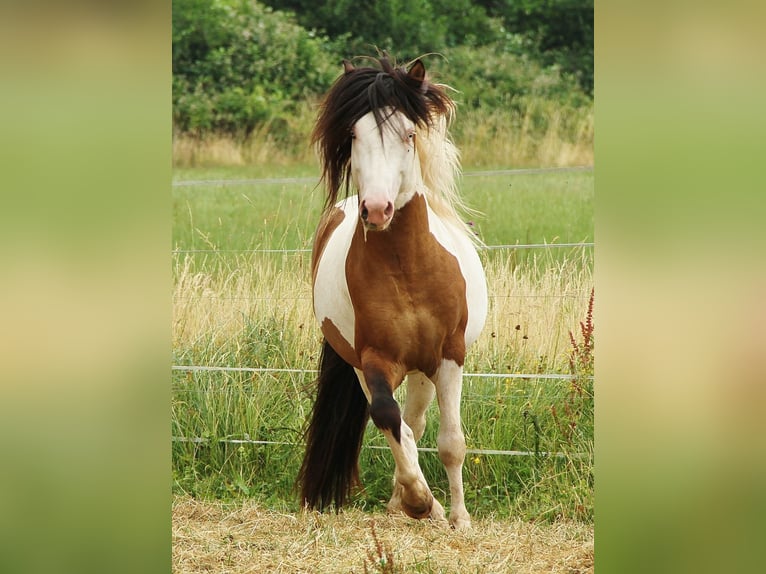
(85, 109)
(680, 400)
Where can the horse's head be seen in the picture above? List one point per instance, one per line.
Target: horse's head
(366, 133)
(383, 166)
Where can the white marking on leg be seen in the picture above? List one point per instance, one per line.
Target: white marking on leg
(451, 441)
(420, 393)
(410, 486)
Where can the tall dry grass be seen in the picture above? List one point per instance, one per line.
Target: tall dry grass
(543, 135)
(280, 143)
(213, 305)
(533, 306)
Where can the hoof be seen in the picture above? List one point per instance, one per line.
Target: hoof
(418, 511)
(416, 500)
(437, 514)
(394, 505)
(460, 523)
(460, 520)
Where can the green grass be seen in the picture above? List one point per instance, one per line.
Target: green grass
(541, 208)
(227, 217)
(554, 207)
(244, 309)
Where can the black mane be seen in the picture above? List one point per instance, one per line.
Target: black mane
(370, 89)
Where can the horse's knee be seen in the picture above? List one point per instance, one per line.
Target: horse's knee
(385, 413)
(451, 446)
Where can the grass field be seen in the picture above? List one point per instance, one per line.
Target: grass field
(237, 307)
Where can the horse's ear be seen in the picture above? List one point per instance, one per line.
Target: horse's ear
(417, 71)
(347, 67)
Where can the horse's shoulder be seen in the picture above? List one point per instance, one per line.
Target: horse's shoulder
(449, 234)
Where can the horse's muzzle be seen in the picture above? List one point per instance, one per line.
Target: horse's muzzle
(376, 215)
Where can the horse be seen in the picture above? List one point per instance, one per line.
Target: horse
(398, 287)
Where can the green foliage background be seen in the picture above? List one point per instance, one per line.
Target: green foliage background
(239, 65)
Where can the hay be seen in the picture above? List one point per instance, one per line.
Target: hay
(244, 537)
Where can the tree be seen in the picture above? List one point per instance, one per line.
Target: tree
(557, 32)
(406, 28)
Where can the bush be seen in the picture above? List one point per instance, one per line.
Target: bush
(556, 32)
(238, 65)
(406, 28)
(252, 75)
(493, 77)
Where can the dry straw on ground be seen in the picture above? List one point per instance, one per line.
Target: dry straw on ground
(244, 538)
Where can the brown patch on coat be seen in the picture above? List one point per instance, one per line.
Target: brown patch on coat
(408, 295)
(339, 343)
(330, 220)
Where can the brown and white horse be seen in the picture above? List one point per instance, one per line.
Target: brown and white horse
(398, 286)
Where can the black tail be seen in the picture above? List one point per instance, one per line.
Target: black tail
(334, 435)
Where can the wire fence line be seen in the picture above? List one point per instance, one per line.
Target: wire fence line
(537, 245)
(315, 179)
(247, 440)
(583, 295)
(265, 370)
(473, 451)
(308, 250)
(182, 251)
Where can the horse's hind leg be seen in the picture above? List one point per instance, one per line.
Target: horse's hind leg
(451, 441)
(420, 394)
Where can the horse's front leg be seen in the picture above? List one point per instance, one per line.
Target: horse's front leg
(420, 394)
(411, 493)
(451, 441)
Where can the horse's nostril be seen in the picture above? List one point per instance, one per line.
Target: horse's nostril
(364, 214)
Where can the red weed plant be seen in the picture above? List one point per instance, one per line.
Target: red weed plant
(380, 558)
(578, 403)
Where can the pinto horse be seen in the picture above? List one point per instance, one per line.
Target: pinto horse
(398, 287)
